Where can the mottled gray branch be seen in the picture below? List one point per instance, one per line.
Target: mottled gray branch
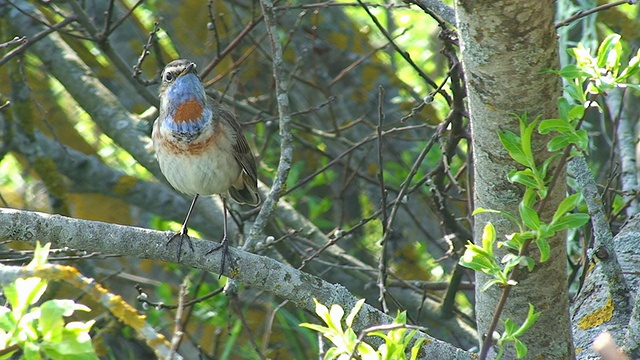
(595, 309)
(259, 272)
(580, 171)
(443, 10)
(286, 140)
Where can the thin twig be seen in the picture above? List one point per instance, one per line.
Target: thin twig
(14, 41)
(235, 303)
(107, 17)
(596, 9)
(212, 27)
(122, 19)
(405, 55)
(177, 323)
(36, 38)
(382, 262)
(137, 69)
(286, 142)
(109, 51)
(142, 298)
(232, 45)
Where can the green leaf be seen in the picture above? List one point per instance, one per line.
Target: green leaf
(335, 315)
(559, 143)
(558, 125)
(481, 210)
(354, 312)
(525, 177)
(545, 249)
(367, 352)
(608, 45)
(581, 139)
(529, 262)
(490, 283)
(563, 108)
(31, 351)
(529, 216)
(531, 319)
(332, 353)
(74, 345)
(315, 327)
(572, 72)
(416, 348)
(22, 293)
(51, 320)
(477, 262)
(569, 221)
(40, 255)
(512, 143)
(527, 136)
(576, 113)
(529, 198)
(509, 328)
(633, 86)
(488, 238)
(576, 92)
(631, 69)
(521, 348)
(545, 165)
(510, 261)
(516, 240)
(504, 213)
(566, 205)
(7, 322)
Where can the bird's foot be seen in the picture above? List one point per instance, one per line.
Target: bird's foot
(224, 245)
(183, 234)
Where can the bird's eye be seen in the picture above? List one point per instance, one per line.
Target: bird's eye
(168, 77)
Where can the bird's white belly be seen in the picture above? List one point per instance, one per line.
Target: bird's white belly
(204, 174)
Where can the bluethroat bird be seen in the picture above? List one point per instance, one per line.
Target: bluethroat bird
(200, 147)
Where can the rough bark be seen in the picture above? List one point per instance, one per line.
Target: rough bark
(605, 299)
(505, 45)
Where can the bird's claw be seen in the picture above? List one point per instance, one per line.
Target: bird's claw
(224, 245)
(182, 235)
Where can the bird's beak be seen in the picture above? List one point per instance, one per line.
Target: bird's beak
(191, 68)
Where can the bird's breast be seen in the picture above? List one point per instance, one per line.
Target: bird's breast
(206, 165)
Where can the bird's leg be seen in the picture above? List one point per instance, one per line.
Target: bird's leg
(184, 231)
(224, 245)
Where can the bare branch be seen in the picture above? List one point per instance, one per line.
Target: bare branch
(286, 143)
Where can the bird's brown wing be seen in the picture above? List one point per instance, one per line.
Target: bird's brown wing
(246, 190)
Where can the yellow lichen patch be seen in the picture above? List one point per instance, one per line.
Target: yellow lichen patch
(124, 185)
(339, 40)
(125, 313)
(370, 75)
(597, 317)
(158, 340)
(234, 271)
(578, 350)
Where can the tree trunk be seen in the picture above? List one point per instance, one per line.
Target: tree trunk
(505, 45)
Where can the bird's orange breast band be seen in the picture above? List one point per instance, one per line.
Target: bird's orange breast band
(189, 110)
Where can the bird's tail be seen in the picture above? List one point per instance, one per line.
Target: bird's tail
(245, 191)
